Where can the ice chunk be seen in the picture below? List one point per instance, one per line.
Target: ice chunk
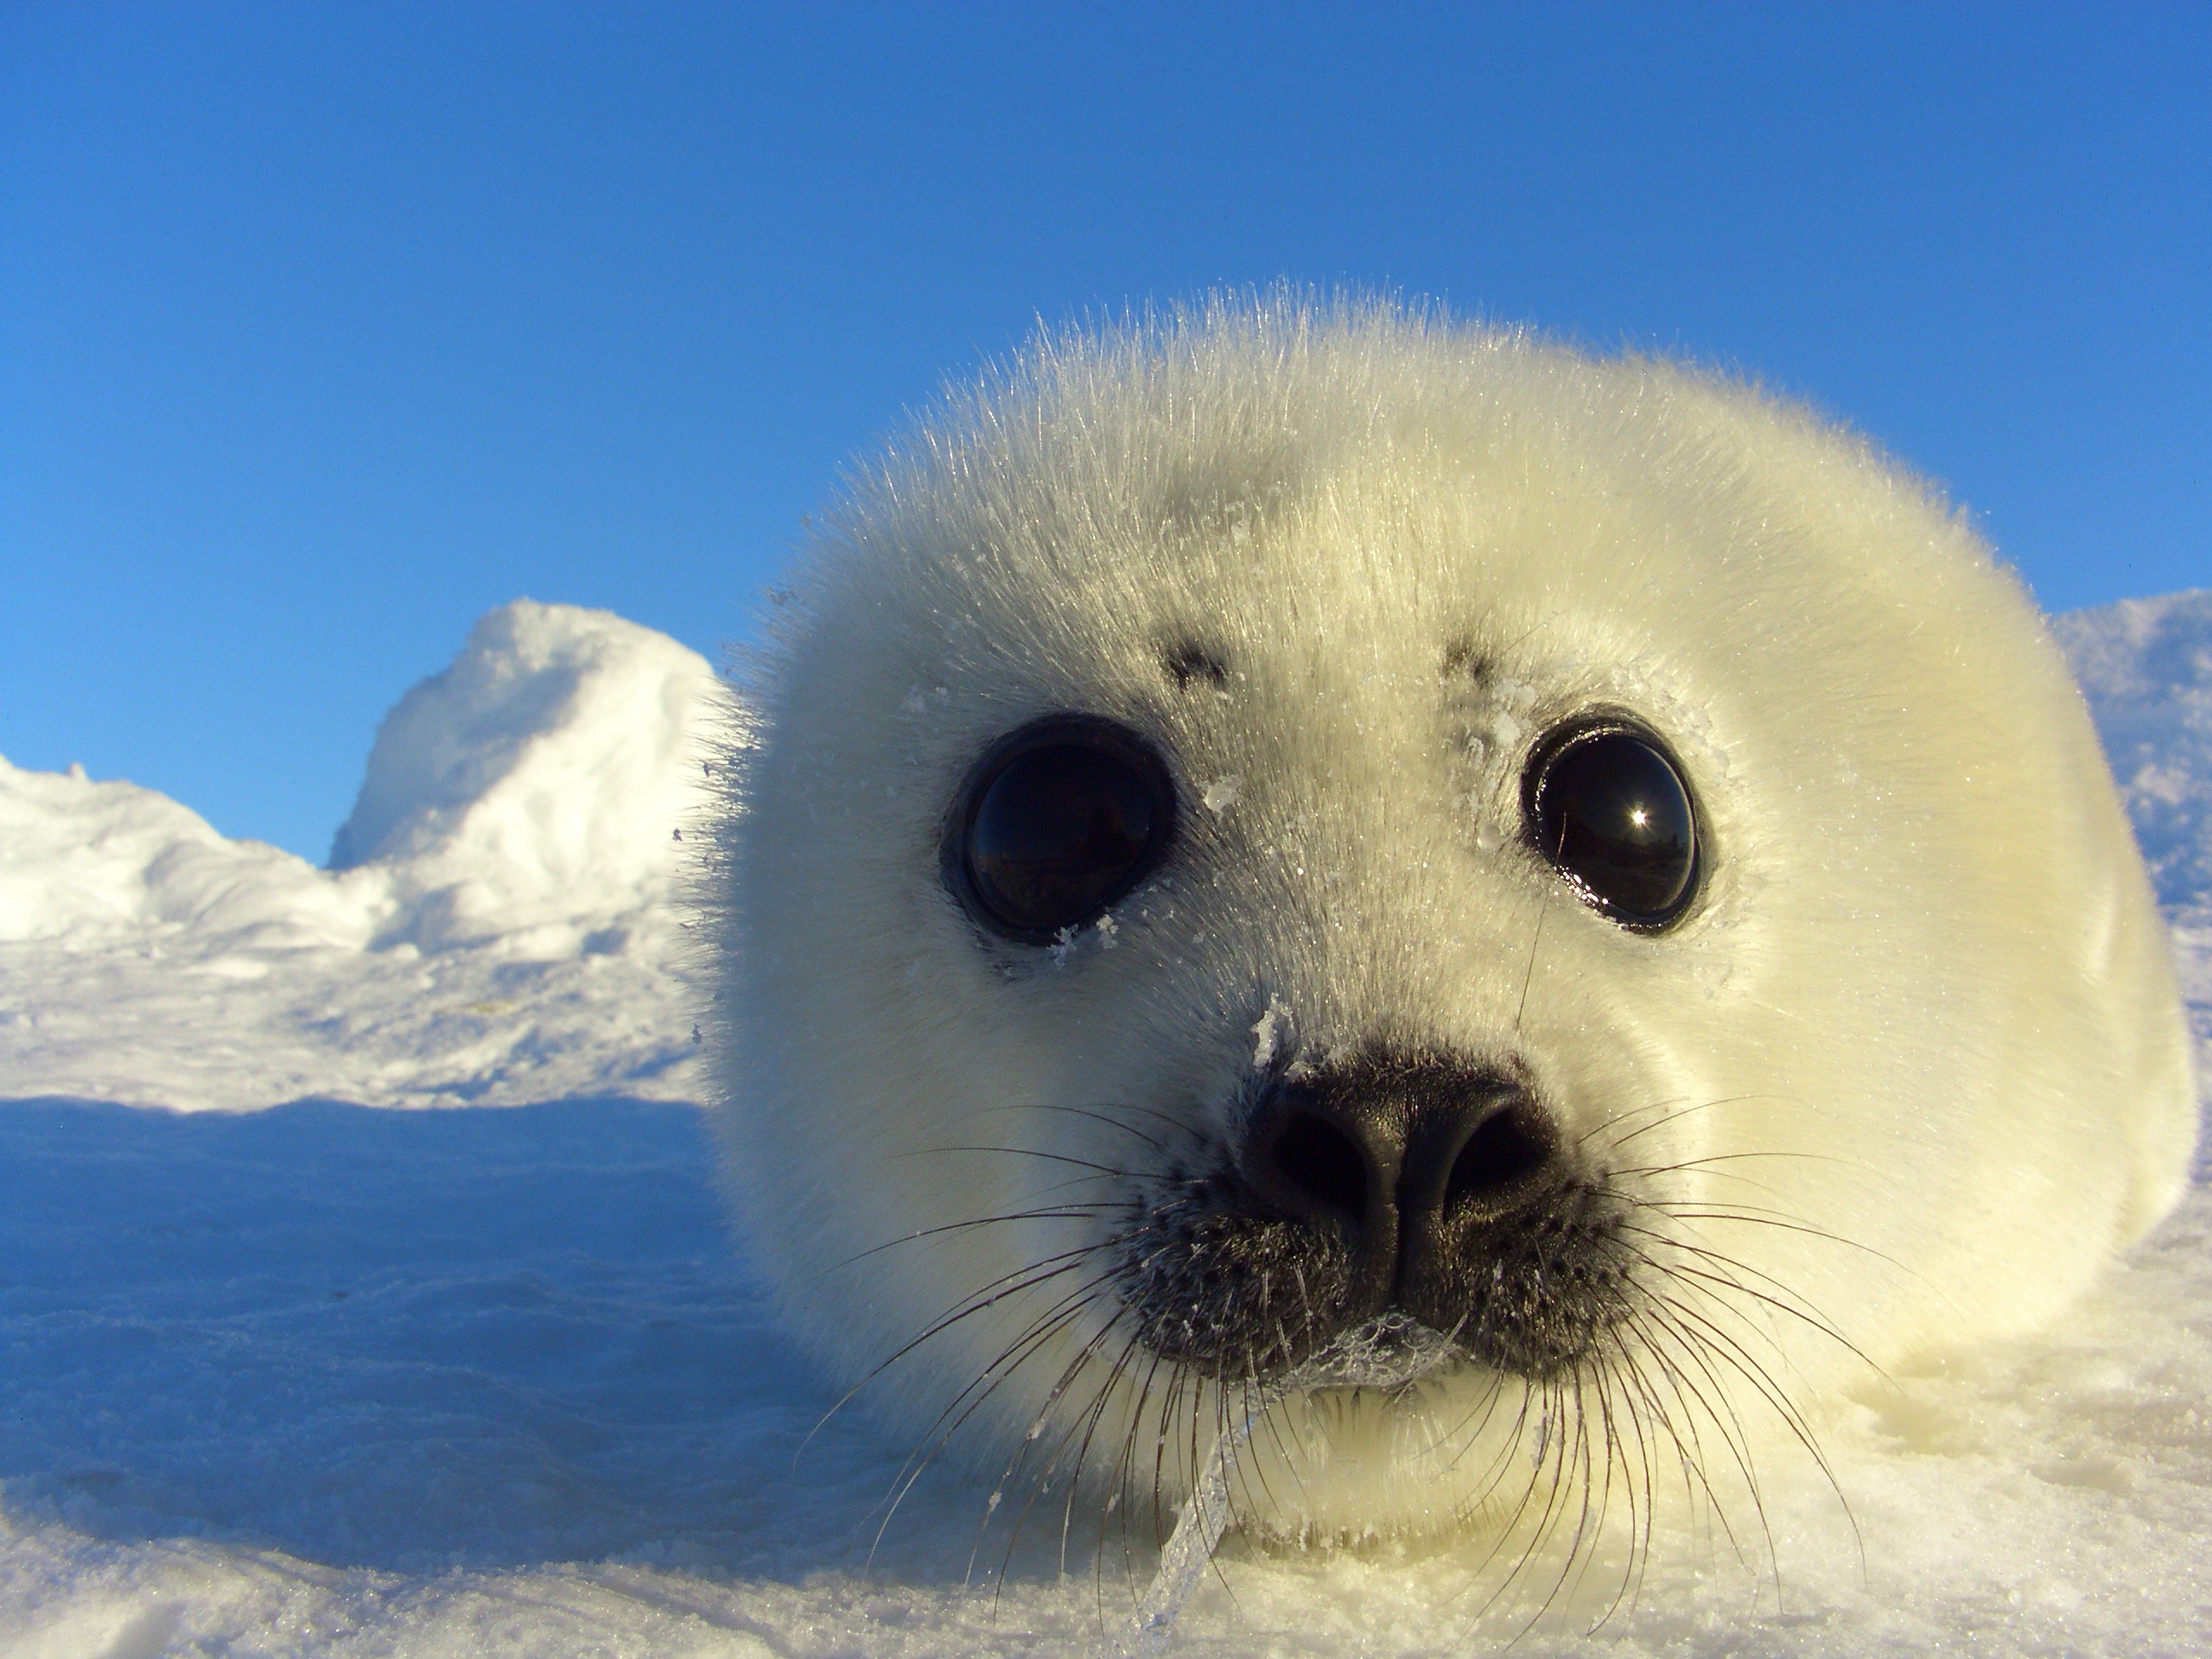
(1268, 1032)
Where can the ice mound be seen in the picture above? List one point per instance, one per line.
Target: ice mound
(498, 923)
(2146, 665)
(107, 867)
(536, 782)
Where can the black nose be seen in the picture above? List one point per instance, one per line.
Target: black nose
(1403, 1154)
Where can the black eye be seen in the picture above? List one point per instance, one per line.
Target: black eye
(1607, 806)
(1055, 824)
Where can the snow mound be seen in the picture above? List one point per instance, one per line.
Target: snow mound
(104, 866)
(2146, 665)
(536, 781)
(499, 924)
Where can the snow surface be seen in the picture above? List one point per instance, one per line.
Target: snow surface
(330, 1379)
(2146, 667)
(497, 925)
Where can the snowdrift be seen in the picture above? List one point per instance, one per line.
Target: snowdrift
(498, 924)
(2146, 665)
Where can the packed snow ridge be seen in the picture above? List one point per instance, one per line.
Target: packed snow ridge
(499, 922)
(2146, 667)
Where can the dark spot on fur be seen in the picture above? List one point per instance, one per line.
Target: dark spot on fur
(1464, 659)
(1188, 661)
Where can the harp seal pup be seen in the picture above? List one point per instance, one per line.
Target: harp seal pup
(1522, 920)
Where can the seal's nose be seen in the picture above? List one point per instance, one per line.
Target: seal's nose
(1400, 1155)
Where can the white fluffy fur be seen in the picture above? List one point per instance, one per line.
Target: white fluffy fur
(1915, 1068)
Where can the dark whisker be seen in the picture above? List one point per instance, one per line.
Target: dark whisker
(1062, 1212)
(1010, 1284)
(1106, 1118)
(1107, 1170)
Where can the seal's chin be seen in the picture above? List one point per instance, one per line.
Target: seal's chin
(1391, 1428)
(1391, 1351)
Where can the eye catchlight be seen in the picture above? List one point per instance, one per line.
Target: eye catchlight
(1605, 802)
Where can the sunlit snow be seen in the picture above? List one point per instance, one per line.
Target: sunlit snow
(328, 1378)
(497, 927)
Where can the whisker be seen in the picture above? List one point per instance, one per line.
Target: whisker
(1103, 1114)
(1009, 1284)
(1529, 978)
(1062, 1212)
(964, 1405)
(1687, 1111)
(1012, 1152)
(1106, 1118)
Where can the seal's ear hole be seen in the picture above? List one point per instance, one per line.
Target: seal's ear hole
(1054, 823)
(1607, 804)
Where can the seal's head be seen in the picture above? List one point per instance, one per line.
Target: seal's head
(1504, 910)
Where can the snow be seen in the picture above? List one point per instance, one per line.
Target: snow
(498, 925)
(328, 1378)
(2146, 667)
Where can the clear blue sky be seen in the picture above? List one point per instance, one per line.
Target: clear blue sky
(325, 327)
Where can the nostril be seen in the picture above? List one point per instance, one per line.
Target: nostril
(1322, 1164)
(1507, 1147)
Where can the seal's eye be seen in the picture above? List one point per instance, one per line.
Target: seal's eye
(1055, 824)
(1607, 806)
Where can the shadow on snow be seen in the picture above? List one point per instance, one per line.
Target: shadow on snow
(413, 1340)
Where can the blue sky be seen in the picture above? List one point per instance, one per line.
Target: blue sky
(323, 328)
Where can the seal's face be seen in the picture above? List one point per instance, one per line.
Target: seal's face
(1400, 1186)
(1506, 913)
